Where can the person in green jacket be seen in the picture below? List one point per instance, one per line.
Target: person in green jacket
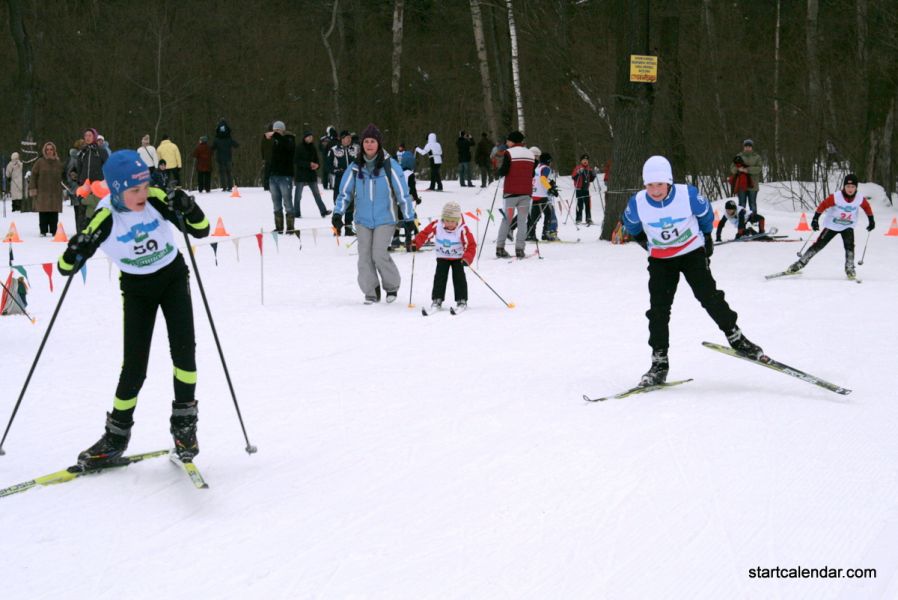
(751, 164)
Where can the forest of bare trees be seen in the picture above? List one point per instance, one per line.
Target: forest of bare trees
(811, 82)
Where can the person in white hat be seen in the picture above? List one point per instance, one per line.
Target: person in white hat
(673, 223)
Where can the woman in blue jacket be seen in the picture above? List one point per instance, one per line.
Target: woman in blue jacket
(376, 184)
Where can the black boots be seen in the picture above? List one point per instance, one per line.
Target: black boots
(108, 448)
(743, 345)
(291, 223)
(279, 222)
(183, 429)
(657, 373)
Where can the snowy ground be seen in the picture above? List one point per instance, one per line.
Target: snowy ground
(453, 457)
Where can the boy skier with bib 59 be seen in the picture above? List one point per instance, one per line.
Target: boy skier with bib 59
(674, 223)
(129, 225)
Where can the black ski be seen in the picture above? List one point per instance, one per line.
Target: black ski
(639, 389)
(75, 471)
(766, 361)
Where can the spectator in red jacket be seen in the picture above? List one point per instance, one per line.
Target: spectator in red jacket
(455, 248)
(202, 154)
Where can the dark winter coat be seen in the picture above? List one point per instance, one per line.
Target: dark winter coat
(341, 156)
(464, 145)
(283, 148)
(482, 153)
(46, 175)
(223, 148)
(305, 155)
(203, 155)
(90, 163)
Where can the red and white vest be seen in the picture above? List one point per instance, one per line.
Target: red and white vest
(844, 214)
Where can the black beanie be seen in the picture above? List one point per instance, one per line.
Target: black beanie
(850, 178)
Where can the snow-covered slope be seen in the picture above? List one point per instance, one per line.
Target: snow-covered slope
(453, 457)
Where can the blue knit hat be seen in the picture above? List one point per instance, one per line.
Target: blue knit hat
(122, 170)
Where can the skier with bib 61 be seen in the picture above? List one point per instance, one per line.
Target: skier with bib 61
(673, 223)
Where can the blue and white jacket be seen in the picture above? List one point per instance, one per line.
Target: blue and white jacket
(374, 201)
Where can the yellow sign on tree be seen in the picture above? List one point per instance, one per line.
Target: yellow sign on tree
(643, 69)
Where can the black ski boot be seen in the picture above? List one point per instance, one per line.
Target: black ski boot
(743, 345)
(519, 253)
(657, 373)
(183, 429)
(502, 253)
(849, 265)
(796, 266)
(108, 448)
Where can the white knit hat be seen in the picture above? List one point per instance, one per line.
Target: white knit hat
(657, 170)
(451, 212)
(536, 152)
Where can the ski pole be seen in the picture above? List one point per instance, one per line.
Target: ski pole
(489, 218)
(508, 304)
(37, 357)
(864, 253)
(249, 447)
(800, 252)
(33, 320)
(411, 285)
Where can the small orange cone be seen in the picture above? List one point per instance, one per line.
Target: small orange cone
(60, 234)
(716, 218)
(893, 229)
(12, 235)
(803, 223)
(235, 193)
(220, 229)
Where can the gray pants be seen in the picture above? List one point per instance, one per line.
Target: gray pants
(374, 259)
(520, 206)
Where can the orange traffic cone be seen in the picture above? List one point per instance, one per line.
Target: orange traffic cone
(893, 229)
(60, 234)
(716, 218)
(235, 193)
(220, 229)
(12, 235)
(803, 223)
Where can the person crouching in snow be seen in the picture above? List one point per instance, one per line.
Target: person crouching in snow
(674, 222)
(740, 221)
(129, 225)
(455, 248)
(840, 212)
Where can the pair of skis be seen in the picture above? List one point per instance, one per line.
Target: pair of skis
(764, 361)
(790, 273)
(76, 471)
(453, 310)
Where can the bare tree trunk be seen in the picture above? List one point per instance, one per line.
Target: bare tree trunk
(398, 10)
(26, 66)
(632, 111)
(515, 70)
(815, 87)
(330, 54)
(485, 81)
(708, 19)
(776, 95)
(500, 70)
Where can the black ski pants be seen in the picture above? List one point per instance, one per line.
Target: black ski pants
(204, 181)
(664, 275)
(583, 205)
(47, 221)
(441, 276)
(142, 297)
(436, 181)
(826, 236)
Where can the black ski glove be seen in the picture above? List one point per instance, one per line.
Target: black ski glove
(871, 224)
(181, 201)
(337, 222)
(81, 246)
(709, 245)
(815, 222)
(642, 239)
(553, 190)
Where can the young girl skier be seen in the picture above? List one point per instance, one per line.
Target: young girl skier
(129, 226)
(455, 248)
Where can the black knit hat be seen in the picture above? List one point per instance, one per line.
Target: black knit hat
(371, 131)
(850, 178)
(586, 156)
(545, 158)
(730, 205)
(515, 136)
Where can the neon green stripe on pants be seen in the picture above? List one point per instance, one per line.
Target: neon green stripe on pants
(119, 404)
(188, 377)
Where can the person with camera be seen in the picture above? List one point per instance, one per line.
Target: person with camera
(129, 225)
(747, 167)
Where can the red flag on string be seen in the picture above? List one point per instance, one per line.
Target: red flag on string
(259, 242)
(48, 269)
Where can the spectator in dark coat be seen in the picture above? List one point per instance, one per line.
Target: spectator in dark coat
(482, 158)
(306, 165)
(223, 146)
(280, 182)
(90, 168)
(464, 143)
(325, 143)
(265, 151)
(202, 155)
